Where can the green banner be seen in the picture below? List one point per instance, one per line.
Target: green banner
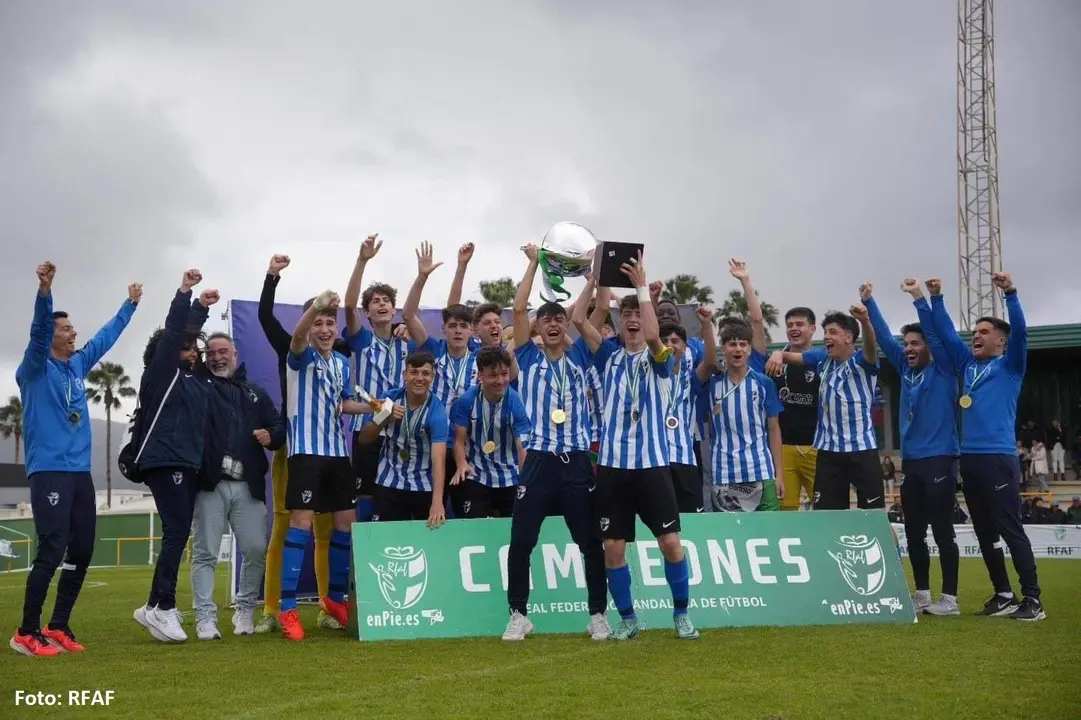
(808, 568)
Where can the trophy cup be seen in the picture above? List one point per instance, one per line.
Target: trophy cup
(567, 250)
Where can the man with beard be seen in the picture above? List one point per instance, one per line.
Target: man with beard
(929, 446)
(171, 453)
(279, 339)
(319, 389)
(412, 461)
(241, 422)
(57, 439)
(845, 435)
(991, 374)
(490, 426)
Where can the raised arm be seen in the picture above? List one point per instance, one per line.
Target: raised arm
(708, 365)
(42, 327)
(780, 358)
(272, 327)
(521, 298)
(368, 249)
(465, 254)
(327, 300)
(425, 267)
(635, 270)
(927, 324)
(870, 343)
(890, 347)
(1017, 347)
(754, 305)
(167, 353)
(955, 348)
(590, 335)
(602, 306)
(102, 342)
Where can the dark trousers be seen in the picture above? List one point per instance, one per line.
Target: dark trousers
(928, 495)
(992, 487)
(563, 483)
(836, 472)
(457, 495)
(65, 519)
(174, 495)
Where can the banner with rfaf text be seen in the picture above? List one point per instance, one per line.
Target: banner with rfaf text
(745, 569)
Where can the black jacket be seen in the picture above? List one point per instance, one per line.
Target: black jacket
(235, 400)
(177, 437)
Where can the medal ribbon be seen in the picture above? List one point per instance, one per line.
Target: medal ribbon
(976, 378)
(412, 418)
(635, 372)
(391, 371)
(676, 398)
(559, 383)
(457, 375)
(488, 421)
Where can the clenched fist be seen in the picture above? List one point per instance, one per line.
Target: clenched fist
(209, 297)
(1002, 281)
(866, 288)
(191, 278)
(277, 264)
(46, 272)
(934, 286)
(135, 292)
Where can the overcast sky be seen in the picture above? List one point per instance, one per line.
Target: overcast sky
(816, 141)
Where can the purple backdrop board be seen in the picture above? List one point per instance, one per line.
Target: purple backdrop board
(262, 366)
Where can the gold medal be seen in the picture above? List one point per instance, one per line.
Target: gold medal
(671, 422)
(403, 454)
(559, 417)
(965, 401)
(489, 447)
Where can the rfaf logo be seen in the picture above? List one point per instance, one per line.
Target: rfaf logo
(861, 563)
(402, 575)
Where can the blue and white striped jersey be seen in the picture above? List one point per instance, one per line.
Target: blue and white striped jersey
(453, 376)
(679, 403)
(596, 403)
(499, 423)
(634, 436)
(739, 434)
(380, 366)
(845, 398)
(547, 386)
(405, 462)
(315, 386)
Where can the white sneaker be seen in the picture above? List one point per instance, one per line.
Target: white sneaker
(921, 599)
(946, 605)
(206, 629)
(142, 616)
(518, 627)
(167, 623)
(244, 621)
(598, 627)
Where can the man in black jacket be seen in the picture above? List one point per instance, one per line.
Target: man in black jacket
(242, 423)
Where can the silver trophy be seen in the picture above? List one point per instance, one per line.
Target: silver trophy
(567, 250)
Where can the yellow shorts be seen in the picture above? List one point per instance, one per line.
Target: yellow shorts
(799, 474)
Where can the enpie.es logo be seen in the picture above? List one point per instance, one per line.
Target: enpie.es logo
(402, 573)
(861, 563)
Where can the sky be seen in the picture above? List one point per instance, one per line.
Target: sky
(815, 141)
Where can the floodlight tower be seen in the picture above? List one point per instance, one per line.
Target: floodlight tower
(978, 243)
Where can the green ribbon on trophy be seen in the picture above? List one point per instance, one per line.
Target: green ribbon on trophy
(566, 251)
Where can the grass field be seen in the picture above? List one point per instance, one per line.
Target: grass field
(955, 668)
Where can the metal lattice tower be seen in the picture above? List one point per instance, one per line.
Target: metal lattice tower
(978, 242)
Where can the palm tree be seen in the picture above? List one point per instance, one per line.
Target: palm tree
(106, 384)
(684, 289)
(11, 422)
(500, 291)
(736, 304)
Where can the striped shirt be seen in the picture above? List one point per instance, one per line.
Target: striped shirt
(315, 386)
(380, 366)
(547, 386)
(596, 403)
(679, 403)
(739, 432)
(846, 396)
(405, 461)
(500, 423)
(634, 436)
(453, 376)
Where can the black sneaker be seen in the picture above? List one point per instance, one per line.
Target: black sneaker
(1031, 610)
(999, 606)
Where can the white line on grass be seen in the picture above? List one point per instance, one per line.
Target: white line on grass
(87, 584)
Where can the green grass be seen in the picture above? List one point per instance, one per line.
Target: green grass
(954, 668)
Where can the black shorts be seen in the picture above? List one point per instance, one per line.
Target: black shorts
(392, 504)
(366, 463)
(687, 484)
(624, 494)
(321, 484)
(836, 472)
(481, 501)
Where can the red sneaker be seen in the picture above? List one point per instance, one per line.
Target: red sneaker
(32, 645)
(62, 639)
(336, 610)
(290, 625)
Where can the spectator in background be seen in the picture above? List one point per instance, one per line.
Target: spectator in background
(1056, 516)
(1053, 434)
(889, 473)
(1073, 514)
(1039, 465)
(1039, 512)
(1058, 460)
(1024, 460)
